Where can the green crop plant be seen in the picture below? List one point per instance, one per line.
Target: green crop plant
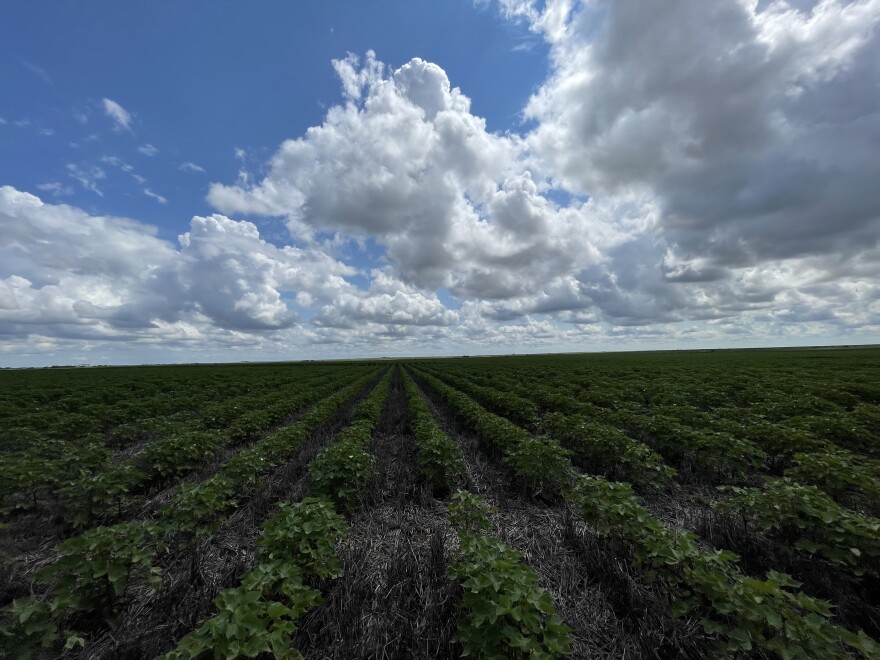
(746, 613)
(846, 476)
(805, 518)
(438, 456)
(504, 613)
(542, 466)
(604, 449)
(342, 470)
(94, 570)
(261, 614)
(90, 496)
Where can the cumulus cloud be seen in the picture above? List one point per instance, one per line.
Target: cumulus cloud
(689, 174)
(66, 275)
(729, 114)
(63, 267)
(386, 302)
(148, 150)
(405, 161)
(685, 167)
(120, 116)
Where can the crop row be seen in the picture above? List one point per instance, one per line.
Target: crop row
(710, 443)
(596, 446)
(94, 570)
(742, 611)
(438, 456)
(295, 547)
(502, 611)
(87, 482)
(81, 405)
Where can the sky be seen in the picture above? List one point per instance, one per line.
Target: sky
(199, 182)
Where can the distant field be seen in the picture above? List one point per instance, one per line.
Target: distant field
(659, 505)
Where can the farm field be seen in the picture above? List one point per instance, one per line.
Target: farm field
(641, 505)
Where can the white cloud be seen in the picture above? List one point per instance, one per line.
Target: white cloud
(116, 161)
(67, 274)
(386, 302)
(691, 175)
(191, 167)
(405, 161)
(37, 71)
(87, 177)
(156, 196)
(56, 188)
(120, 116)
(737, 128)
(148, 150)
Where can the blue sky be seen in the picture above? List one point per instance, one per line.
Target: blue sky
(223, 181)
(204, 79)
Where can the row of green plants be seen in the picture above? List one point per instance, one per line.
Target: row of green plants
(803, 519)
(769, 616)
(92, 404)
(86, 481)
(521, 411)
(194, 412)
(438, 456)
(94, 571)
(601, 448)
(93, 493)
(503, 613)
(198, 508)
(705, 454)
(296, 548)
(744, 613)
(598, 447)
(728, 442)
(342, 471)
(540, 463)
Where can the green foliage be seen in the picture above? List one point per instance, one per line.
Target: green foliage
(541, 464)
(48, 463)
(342, 471)
(91, 495)
(504, 613)
(720, 455)
(845, 476)
(195, 507)
(258, 617)
(179, 453)
(261, 615)
(469, 513)
(805, 518)
(94, 570)
(306, 534)
(502, 402)
(498, 432)
(438, 455)
(745, 612)
(28, 627)
(604, 449)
